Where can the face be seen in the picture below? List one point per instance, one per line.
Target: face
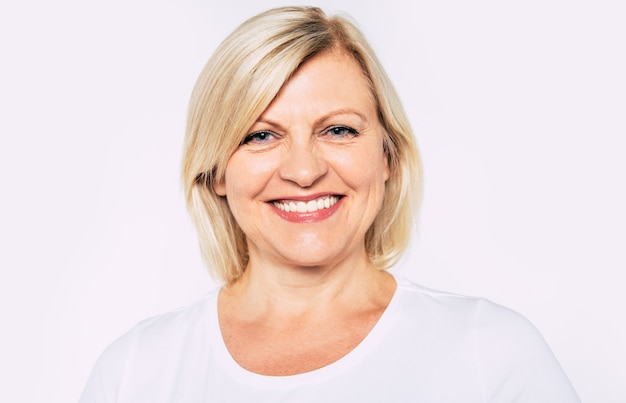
(308, 179)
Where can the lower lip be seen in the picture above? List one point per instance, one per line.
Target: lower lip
(314, 216)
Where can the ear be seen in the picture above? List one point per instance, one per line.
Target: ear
(386, 158)
(386, 172)
(219, 187)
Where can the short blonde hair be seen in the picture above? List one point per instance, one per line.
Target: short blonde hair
(238, 83)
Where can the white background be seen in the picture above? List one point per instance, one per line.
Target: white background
(518, 107)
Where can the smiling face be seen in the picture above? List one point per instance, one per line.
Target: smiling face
(308, 179)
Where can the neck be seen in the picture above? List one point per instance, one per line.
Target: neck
(294, 290)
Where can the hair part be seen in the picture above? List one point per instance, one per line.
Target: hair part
(240, 80)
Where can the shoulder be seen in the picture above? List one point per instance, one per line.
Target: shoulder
(507, 352)
(446, 306)
(476, 309)
(169, 328)
(187, 318)
(484, 322)
(472, 324)
(160, 341)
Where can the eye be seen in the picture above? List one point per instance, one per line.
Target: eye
(259, 137)
(341, 131)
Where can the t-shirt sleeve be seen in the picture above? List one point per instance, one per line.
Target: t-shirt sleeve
(515, 363)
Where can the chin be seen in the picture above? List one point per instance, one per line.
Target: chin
(314, 260)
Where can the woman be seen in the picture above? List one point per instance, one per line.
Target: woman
(302, 175)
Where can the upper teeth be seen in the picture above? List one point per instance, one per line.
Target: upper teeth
(307, 207)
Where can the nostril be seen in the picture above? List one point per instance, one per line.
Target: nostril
(303, 168)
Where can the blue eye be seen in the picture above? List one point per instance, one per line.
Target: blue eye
(258, 137)
(339, 131)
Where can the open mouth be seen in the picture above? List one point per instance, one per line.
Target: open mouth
(294, 206)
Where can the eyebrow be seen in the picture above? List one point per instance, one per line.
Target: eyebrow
(340, 112)
(319, 121)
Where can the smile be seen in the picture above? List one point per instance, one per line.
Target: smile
(293, 206)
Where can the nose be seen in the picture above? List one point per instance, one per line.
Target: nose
(302, 164)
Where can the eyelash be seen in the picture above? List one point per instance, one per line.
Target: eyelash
(266, 133)
(350, 130)
(252, 136)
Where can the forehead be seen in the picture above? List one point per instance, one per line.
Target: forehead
(330, 80)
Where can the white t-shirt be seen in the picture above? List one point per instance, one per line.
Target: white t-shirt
(428, 346)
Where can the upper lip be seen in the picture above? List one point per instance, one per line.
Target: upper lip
(306, 198)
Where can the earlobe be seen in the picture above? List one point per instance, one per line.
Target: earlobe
(386, 172)
(219, 187)
(386, 156)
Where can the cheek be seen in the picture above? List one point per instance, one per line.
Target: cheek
(247, 175)
(367, 167)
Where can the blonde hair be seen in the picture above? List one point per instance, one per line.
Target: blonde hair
(238, 83)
